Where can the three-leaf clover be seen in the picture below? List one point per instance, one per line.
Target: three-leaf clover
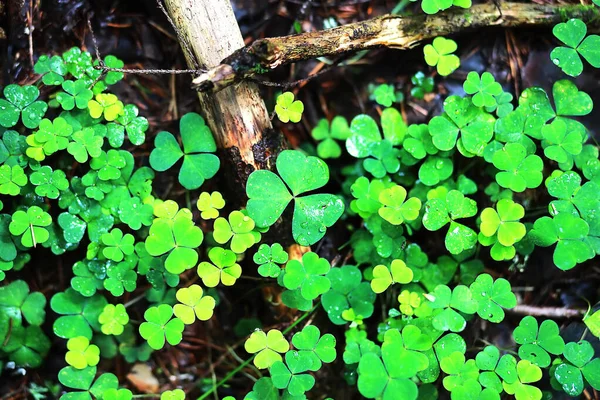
(117, 245)
(527, 372)
(49, 183)
(21, 102)
(12, 179)
(269, 196)
(492, 296)
(348, 291)
(76, 94)
(18, 303)
(384, 277)
(493, 368)
(268, 257)
(113, 319)
(78, 314)
(288, 109)
(395, 210)
(385, 95)
(52, 68)
(31, 226)
(462, 376)
(310, 343)
(572, 33)
(484, 88)
(192, 304)
(308, 275)
(518, 170)
(439, 212)
(560, 145)
(267, 347)
(85, 142)
(502, 228)
(422, 85)
(159, 326)
(209, 204)
(198, 142)
(326, 134)
(107, 105)
(224, 268)
(239, 228)
(290, 375)
(135, 126)
(82, 380)
(81, 353)
(537, 343)
(580, 364)
(450, 302)
(439, 53)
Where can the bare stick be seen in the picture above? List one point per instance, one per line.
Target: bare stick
(551, 312)
(386, 31)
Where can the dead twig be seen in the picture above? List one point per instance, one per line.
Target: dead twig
(550, 312)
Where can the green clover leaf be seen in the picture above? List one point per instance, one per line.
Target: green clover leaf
(572, 34)
(569, 233)
(439, 53)
(85, 142)
(492, 296)
(439, 212)
(290, 376)
(450, 302)
(49, 183)
(52, 68)
(198, 165)
(209, 204)
(559, 145)
(107, 105)
(176, 394)
(76, 94)
(21, 102)
(193, 305)
(85, 281)
(422, 85)
(117, 245)
(384, 277)
(365, 132)
(263, 389)
(135, 126)
(134, 213)
(160, 326)
(493, 368)
(527, 373)
(395, 210)
(434, 6)
(31, 226)
(519, 171)
(113, 319)
(476, 128)
(81, 354)
(385, 95)
(537, 343)
(308, 275)
(383, 160)
(267, 347)
(239, 229)
(484, 88)
(113, 77)
(176, 235)
(78, 314)
(109, 165)
(327, 134)
(580, 365)
(460, 372)
(82, 380)
(224, 268)
(310, 343)
(51, 137)
(17, 303)
(504, 223)
(120, 278)
(268, 257)
(435, 169)
(288, 109)
(12, 179)
(269, 196)
(348, 291)
(418, 142)
(117, 394)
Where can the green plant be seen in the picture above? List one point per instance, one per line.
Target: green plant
(573, 34)
(288, 109)
(267, 347)
(422, 85)
(327, 134)
(439, 53)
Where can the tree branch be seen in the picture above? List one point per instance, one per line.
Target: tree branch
(386, 31)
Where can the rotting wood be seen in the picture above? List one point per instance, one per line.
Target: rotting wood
(391, 31)
(236, 115)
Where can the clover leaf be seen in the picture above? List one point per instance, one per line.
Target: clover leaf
(559, 145)
(239, 228)
(76, 94)
(366, 133)
(484, 88)
(31, 226)
(224, 268)
(52, 68)
(193, 305)
(159, 326)
(579, 364)
(120, 277)
(385, 95)
(439, 212)
(476, 128)
(290, 375)
(117, 245)
(21, 102)
(422, 85)
(85, 142)
(107, 105)
(176, 394)
(434, 6)
(134, 213)
(572, 34)
(348, 291)
(81, 353)
(537, 343)
(310, 343)
(435, 169)
(308, 275)
(113, 319)
(527, 373)
(268, 257)
(79, 315)
(17, 303)
(494, 367)
(49, 183)
(439, 53)
(461, 374)
(327, 134)
(383, 160)
(450, 302)
(267, 347)
(519, 171)
(384, 277)
(288, 109)
(569, 232)
(209, 204)
(395, 210)
(175, 234)
(198, 165)
(502, 228)
(117, 394)
(269, 196)
(492, 296)
(12, 179)
(51, 137)
(135, 126)
(82, 380)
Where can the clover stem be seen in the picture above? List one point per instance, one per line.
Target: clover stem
(249, 360)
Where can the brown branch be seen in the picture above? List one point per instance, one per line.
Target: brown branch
(386, 31)
(550, 312)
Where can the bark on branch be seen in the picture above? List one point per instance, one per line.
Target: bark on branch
(386, 31)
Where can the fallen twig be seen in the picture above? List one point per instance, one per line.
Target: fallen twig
(550, 312)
